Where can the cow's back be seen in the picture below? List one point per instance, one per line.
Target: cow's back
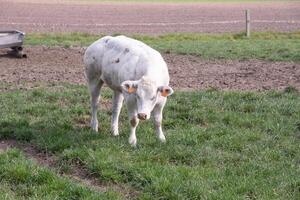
(120, 58)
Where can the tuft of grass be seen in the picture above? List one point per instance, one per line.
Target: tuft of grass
(291, 89)
(220, 145)
(23, 179)
(61, 39)
(264, 46)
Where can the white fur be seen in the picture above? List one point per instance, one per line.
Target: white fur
(122, 62)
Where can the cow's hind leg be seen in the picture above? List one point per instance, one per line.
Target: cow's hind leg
(95, 87)
(117, 105)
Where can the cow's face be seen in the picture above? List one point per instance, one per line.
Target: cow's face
(145, 94)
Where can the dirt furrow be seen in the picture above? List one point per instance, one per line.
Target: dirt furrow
(77, 173)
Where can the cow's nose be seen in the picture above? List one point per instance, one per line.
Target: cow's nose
(142, 116)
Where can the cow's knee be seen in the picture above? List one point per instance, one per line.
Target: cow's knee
(133, 122)
(132, 138)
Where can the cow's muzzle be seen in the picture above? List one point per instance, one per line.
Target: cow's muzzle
(142, 116)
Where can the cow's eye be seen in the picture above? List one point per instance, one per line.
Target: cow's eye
(152, 98)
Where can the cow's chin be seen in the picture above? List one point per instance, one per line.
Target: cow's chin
(148, 116)
(144, 119)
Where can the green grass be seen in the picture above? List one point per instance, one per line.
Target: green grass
(264, 46)
(22, 179)
(220, 145)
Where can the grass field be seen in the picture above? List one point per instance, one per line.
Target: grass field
(24, 179)
(264, 46)
(220, 145)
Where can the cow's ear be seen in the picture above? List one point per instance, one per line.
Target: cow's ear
(129, 86)
(165, 91)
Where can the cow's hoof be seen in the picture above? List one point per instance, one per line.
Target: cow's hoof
(132, 142)
(94, 126)
(115, 132)
(162, 138)
(95, 129)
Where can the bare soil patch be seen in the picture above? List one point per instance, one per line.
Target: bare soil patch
(56, 65)
(195, 73)
(146, 18)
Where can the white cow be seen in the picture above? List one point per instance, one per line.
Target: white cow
(134, 71)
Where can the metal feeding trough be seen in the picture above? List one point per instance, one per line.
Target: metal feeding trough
(14, 40)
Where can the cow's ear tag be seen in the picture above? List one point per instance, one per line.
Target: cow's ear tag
(131, 90)
(165, 92)
(129, 86)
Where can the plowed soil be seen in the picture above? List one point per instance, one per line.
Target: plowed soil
(146, 18)
(56, 65)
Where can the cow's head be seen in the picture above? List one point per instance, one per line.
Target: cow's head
(146, 93)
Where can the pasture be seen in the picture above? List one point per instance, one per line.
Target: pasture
(272, 46)
(229, 145)
(232, 126)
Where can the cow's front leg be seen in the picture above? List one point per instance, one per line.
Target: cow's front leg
(117, 105)
(134, 121)
(157, 115)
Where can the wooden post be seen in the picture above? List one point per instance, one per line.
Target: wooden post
(248, 23)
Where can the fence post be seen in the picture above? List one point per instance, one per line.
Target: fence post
(248, 23)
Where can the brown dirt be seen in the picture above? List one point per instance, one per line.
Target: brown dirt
(148, 18)
(43, 158)
(4, 145)
(195, 73)
(55, 65)
(77, 173)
